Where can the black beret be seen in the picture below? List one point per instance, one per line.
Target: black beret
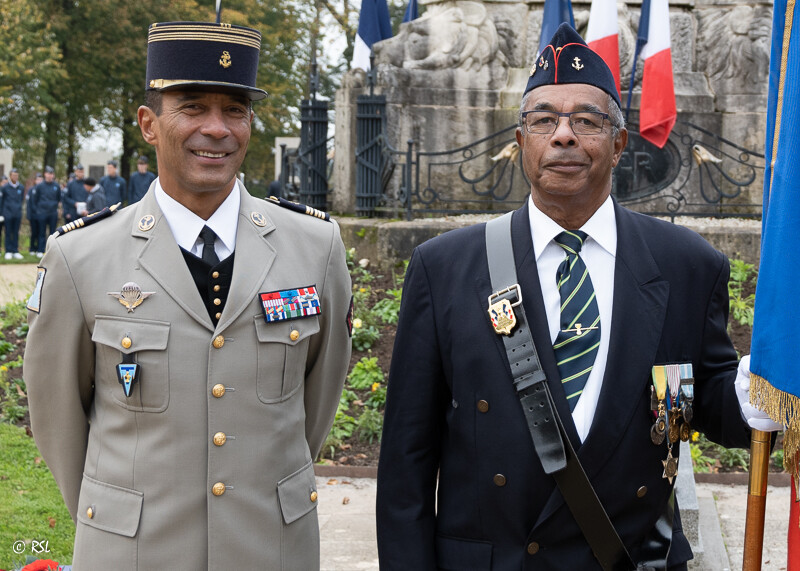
(89, 182)
(567, 59)
(203, 54)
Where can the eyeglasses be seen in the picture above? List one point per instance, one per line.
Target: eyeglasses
(581, 122)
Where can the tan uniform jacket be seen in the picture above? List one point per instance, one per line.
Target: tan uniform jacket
(146, 466)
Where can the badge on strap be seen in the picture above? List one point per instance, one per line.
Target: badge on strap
(288, 304)
(501, 310)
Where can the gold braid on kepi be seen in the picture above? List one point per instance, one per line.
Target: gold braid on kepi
(87, 220)
(301, 208)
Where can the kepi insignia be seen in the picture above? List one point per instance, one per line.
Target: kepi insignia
(131, 296)
(225, 60)
(147, 222)
(290, 303)
(576, 63)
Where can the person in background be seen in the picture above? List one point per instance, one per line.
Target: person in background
(140, 180)
(95, 197)
(75, 193)
(114, 185)
(12, 194)
(45, 207)
(33, 221)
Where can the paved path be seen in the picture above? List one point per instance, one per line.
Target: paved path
(347, 523)
(16, 282)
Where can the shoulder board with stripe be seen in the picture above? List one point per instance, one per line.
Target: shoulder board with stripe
(301, 208)
(87, 220)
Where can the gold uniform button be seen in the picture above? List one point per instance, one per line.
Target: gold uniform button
(294, 335)
(218, 489)
(313, 496)
(220, 438)
(641, 492)
(533, 548)
(217, 288)
(483, 406)
(499, 480)
(218, 315)
(90, 513)
(218, 390)
(217, 301)
(215, 275)
(219, 341)
(126, 342)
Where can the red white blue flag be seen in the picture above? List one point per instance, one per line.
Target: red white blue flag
(374, 25)
(556, 12)
(603, 33)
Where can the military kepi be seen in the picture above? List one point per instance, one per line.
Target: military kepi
(567, 59)
(185, 55)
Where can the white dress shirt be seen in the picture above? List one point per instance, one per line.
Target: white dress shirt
(186, 225)
(599, 254)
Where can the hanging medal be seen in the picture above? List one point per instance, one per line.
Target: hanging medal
(673, 402)
(128, 373)
(658, 430)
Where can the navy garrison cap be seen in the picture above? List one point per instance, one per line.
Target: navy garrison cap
(204, 55)
(567, 59)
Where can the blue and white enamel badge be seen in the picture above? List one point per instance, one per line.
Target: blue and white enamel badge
(35, 301)
(290, 303)
(127, 375)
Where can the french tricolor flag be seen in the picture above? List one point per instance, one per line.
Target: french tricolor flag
(373, 26)
(657, 110)
(602, 35)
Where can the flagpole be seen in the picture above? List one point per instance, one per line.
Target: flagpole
(756, 500)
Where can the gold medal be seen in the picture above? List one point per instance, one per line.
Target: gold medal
(670, 466)
(685, 432)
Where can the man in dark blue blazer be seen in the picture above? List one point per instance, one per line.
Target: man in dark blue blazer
(452, 411)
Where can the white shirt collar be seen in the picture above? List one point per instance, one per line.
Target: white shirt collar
(601, 227)
(186, 225)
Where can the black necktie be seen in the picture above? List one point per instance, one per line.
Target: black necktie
(208, 237)
(578, 340)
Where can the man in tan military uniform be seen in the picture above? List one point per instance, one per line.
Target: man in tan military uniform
(186, 355)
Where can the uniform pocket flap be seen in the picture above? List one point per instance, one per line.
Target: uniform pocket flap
(297, 493)
(463, 554)
(110, 508)
(290, 331)
(143, 335)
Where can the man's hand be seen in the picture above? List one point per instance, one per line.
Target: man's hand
(754, 417)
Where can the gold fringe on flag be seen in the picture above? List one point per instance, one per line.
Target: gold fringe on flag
(783, 408)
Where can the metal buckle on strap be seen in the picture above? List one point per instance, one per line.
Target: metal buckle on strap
(501, 311)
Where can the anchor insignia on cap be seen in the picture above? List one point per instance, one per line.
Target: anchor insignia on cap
(225, 60)
(577, 64)
(131, 296)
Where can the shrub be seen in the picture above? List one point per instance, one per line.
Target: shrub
(365, 373)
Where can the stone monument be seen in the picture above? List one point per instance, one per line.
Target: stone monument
(456, 75)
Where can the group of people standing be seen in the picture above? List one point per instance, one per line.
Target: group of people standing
(79, 197)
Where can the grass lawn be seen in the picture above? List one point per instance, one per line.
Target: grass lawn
(31, 507)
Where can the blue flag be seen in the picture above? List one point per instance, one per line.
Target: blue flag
(374, 25)
(412, 11)
(556, 12)
(775, 378)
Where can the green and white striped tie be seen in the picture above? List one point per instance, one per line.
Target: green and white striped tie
(579, 337)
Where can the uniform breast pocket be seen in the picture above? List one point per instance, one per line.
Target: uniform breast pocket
(282, 354)
(146, 342)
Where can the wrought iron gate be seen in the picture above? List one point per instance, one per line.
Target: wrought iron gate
(312, 154)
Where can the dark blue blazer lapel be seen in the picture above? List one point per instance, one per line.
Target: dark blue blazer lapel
(640, 302)
(532, 299)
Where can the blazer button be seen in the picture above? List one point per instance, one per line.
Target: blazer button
(220, 438)
(533, 548)
(483, 406)
(313, 496)
(499, 480)
(219, 341)
(640, 493)
(126, 342)
(218, 315)
(218, 390)
(215, 275)
(294, 335)
(216, 288)
(217, 301)
(90, 512)
(218, 489)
